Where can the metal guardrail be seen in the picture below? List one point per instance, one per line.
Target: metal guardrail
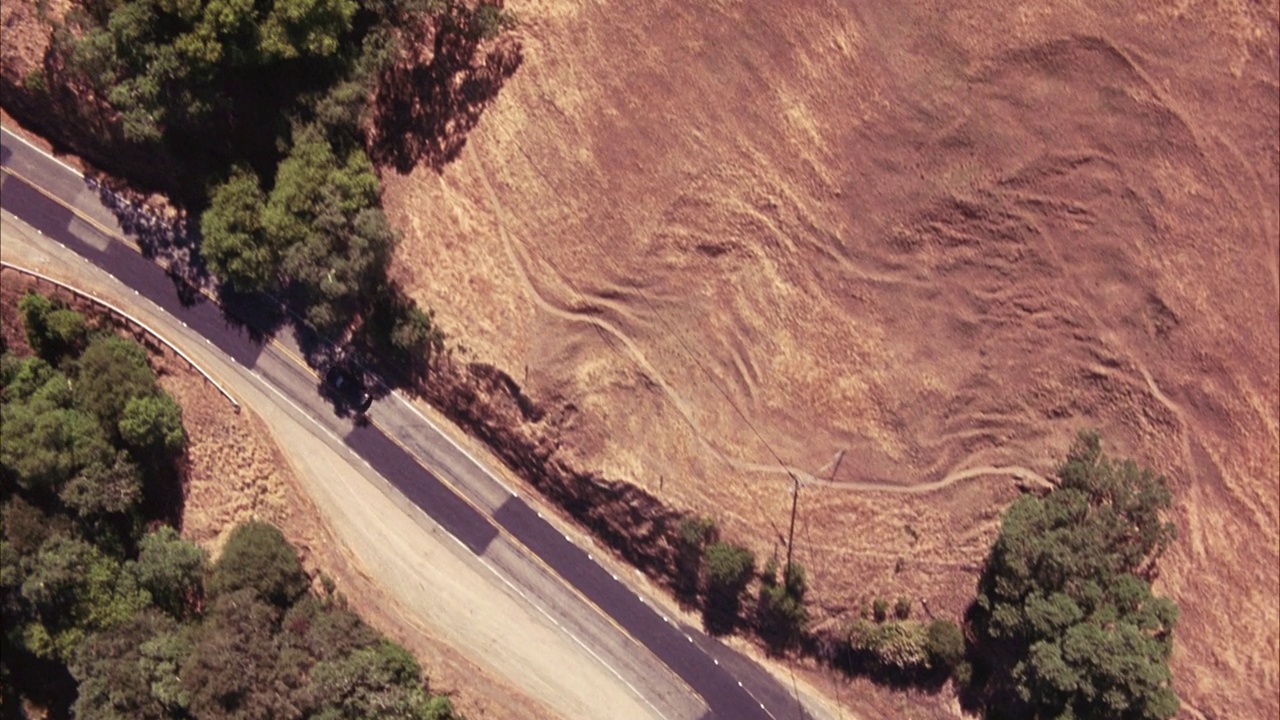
(129, 318)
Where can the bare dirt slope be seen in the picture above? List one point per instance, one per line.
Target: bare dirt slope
(937, 237)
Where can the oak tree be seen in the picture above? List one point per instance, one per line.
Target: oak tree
(1066, 623)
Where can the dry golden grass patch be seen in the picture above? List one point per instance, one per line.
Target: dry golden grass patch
(937, 238)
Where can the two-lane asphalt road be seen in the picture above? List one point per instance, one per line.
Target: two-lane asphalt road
(436, 474)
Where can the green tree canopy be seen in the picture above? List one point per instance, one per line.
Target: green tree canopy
(162, 62)
(109, 671)
(234, 243)
(259, 558)
(112, 372)
(172, 570)
(23, 378)
(47, 442)
(315, 629)
(378, 681)
(75, 591)
(153, 424)
(104, 488)
(335, 242)
(319, 233)
(160, 663)
(1065, 617)
(232, 670)
(295, 28)
(54, 332)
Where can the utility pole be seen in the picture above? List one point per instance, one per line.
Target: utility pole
(795, 503)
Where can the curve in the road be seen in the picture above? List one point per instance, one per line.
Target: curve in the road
(689, 653)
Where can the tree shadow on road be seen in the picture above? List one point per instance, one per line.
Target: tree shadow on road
(162, 235)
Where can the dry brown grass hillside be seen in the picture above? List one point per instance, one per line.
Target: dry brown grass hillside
(938, 237)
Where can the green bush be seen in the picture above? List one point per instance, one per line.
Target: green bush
(173, 571)
(945, 644)
(112, 372)
(53, 331)
(729, 569)
(34, 79)
(697, 532)
(896, 645)
(781, 616)
(153, 424)
(258, 557)
(902, 644)
(729, 566)
(902, 608)
(880, 610)
(693, 536)
(489, 21)
(861, 635)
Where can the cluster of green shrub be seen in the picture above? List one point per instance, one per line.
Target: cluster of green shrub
(107, 611)
(902, 647)
(780, 615)
(717, 575)
(266, 105)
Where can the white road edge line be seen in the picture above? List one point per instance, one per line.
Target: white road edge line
(38, 149)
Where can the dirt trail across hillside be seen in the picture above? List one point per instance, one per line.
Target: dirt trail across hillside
(723, 241)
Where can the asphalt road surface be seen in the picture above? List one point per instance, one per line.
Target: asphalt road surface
(459, 493)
